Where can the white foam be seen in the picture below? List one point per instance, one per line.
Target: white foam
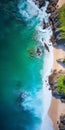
(28, 10)
(47, 123)
(33, 101)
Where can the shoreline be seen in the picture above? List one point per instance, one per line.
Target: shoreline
(57, 107)
(60, 3)
(59, 53)
(53, 112)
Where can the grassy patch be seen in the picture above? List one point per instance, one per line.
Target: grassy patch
(64, 61)
(61, 84)
(62, 21)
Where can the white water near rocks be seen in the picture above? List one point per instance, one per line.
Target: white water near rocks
(30, 12)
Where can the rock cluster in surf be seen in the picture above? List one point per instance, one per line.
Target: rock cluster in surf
(40, 3)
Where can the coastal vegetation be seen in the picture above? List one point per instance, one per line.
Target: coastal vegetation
(62, 22)
(61, 84)
(64, 61)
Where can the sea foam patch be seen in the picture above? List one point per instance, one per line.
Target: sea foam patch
(39, 102)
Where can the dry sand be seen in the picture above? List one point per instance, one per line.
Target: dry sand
(60, 3)
(59, 53)
(57, 107)
(53, 112)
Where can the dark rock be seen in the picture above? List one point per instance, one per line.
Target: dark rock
(31, 52)
(62, 122)
(45, 25)
(53, 84)
(20, 99)
(38, 51)
(62, 99)
(46, 46)
(53, 20)
(53, 40)
(40, 3)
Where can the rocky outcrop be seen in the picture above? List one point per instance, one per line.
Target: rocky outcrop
(53, 84)
(45, 25)
(62, 122)
(52, 6)
(53, 39)
(40, 3)
(61, 60)
(31, 52)
(46, 46)
(63, 99)
(36, 52)
(53, 20)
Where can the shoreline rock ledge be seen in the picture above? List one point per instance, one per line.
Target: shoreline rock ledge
(40, 3)
(53, 19)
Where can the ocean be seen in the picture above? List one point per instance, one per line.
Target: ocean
(24, 97)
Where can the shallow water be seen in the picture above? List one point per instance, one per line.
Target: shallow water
(21, 82)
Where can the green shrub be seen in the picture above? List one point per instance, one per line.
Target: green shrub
(61, 84)
(62, 21)
(64, 61)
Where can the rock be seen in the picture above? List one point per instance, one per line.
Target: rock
(20, 99)
(61, 61)
(38, 51)
(40, 3)
(62, 99)
(53, 40)
(46, 46)
(52, 8)
(31, 52)
(53, 84)
(45, 25)
(62, 122)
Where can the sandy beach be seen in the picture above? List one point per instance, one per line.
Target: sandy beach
(57, 107)
(60, 3)
(59, 53)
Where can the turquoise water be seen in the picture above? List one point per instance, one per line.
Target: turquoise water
(20, 78)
